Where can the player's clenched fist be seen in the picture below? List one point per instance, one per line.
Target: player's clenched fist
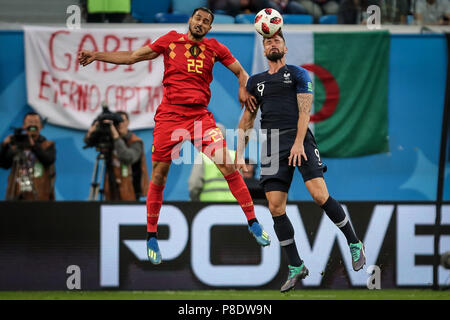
(85, 57)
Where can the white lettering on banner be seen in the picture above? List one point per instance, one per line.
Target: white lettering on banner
(315, 255)
(71, 95)
(409, 244)
(235, 275)
(114, 216)
(373, 240)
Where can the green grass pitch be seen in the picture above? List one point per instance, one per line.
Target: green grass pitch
(358, 294)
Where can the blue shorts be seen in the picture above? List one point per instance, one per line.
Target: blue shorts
(276, 174)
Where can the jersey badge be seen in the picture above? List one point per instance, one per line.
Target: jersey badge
(195, 50)
(260, 87)
(287, 77)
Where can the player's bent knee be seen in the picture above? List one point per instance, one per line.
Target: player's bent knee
(277, 209)
(159, 179)
(160, 173)
(320, 197)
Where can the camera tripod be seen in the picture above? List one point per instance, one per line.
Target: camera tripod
(97, 178)
(101, 167)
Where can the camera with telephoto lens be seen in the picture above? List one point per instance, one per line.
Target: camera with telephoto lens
(101, 138)
(20, 138)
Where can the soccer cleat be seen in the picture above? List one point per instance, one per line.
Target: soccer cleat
(260, 235)
(153, 253)
(295, 274)
(358, 255)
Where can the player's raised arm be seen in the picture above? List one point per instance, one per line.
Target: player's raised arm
(245, 98)
(85, 57)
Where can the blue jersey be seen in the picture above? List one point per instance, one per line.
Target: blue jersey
(277, 95)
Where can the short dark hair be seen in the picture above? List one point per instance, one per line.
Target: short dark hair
(206, 10)
(279, 33)
(123, 113)
(32, 113)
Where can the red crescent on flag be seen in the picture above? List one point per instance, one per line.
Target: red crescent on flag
(331, 92)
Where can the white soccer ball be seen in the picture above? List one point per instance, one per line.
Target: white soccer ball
(268, 22)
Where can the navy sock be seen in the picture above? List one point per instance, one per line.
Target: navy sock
(334, 211)
(285, 234)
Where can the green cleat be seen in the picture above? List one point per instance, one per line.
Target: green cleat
(295, 274)
(358, 255)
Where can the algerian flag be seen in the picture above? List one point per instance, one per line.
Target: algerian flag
(350, 75)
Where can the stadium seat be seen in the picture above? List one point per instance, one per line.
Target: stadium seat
(164, 17)
(223, 18)
(245, 18)
(298, 19)
(328, 19)
(187, 6)
(142, 11)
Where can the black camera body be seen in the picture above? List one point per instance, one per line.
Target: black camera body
(101, 138)
(20, 139)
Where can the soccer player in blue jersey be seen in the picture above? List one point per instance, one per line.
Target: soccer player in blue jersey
(284, 94)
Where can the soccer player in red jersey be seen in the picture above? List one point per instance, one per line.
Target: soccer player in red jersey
(183, 115)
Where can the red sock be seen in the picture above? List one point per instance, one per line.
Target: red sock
(240, 191)
(154, 203)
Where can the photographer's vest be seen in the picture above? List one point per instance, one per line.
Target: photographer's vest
(104, 6)
(43, 181)
(215, 187)
(123, 175)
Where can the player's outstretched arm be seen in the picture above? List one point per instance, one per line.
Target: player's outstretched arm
(245, 98)
(85, 57)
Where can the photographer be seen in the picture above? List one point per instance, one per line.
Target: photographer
(31, 158)
(126, 157)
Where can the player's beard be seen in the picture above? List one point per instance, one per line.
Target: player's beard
(275, 56)
(196, 34)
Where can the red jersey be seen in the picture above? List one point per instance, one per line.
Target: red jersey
(188, 67)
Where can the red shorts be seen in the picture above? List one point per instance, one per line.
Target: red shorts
(175, 124)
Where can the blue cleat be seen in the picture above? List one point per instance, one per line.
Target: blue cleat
(260, 235)
(153, 253)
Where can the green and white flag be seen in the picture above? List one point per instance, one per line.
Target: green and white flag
(350, 75)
